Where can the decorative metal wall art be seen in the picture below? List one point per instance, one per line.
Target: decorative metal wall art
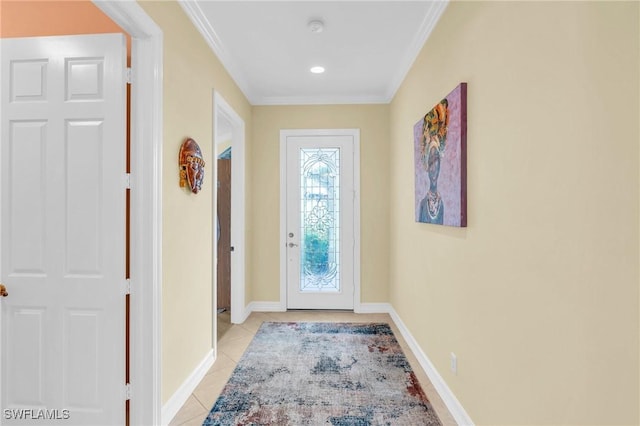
(440, 161)
(191, 165)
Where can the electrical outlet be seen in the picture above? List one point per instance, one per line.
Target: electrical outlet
(454, 363)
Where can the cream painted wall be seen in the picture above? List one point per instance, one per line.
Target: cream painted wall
(223, 145)
(538, 297)
(191, 73)
(373, 122)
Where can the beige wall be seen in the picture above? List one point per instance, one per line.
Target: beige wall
(538, 296)
(191, 73)
(264, 179)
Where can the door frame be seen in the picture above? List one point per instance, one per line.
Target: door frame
(284, 134)
(146, 207)
(221, 108)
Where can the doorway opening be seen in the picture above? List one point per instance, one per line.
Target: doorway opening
(229, 217)
(224, 155)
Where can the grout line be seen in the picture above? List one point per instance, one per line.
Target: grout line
(201, 404)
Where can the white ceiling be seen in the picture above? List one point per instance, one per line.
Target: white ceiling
(367, 47)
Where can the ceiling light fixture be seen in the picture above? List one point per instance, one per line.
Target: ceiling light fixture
(316, 26)
(317, 70)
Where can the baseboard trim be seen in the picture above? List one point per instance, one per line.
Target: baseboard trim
(178, 399)
(243, 317)
(361, 308)
(455, 408)
(373, 308)
(265, 307)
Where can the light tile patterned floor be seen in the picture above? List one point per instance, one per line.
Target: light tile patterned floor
(233, 340)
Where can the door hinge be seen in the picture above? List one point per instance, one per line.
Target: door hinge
(128, 75)
(127, 286)
(127, 391)
(127, 180)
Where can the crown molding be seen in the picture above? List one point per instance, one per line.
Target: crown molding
(428, 24)
(200, 21)
(319, 100)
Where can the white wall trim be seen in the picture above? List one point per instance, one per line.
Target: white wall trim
(356, 219)
(319, 100)
(238, 205)
(429, 22)
(260, 307)
(266, 307)
(200, 21)
(245, 313)
(373, 308)
(455, 408)
(146, 207)
(283, 221)
(180, 396)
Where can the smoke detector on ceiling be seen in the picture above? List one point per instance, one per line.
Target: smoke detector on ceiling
(316, 26)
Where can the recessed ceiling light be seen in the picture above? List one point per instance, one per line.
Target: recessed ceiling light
(316, 26)
(317, 70)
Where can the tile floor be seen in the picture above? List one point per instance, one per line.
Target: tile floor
(233, 339)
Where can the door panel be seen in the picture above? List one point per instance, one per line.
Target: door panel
(82, 360)
(27, 335)
(27, 204)
(84, 208)
(62, 226)
(320, 222)
(224, 240)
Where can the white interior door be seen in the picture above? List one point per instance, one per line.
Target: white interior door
(320, 219)
(62, 229)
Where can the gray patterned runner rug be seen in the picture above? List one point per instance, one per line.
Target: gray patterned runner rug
(309, 373)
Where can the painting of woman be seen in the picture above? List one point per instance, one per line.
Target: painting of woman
(434, 138)
(440, 150)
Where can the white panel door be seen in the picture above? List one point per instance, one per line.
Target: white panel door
(62, 229)
(320, 237)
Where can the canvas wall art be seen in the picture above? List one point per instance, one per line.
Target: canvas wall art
(440, 161)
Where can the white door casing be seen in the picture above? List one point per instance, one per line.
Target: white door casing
(145, 251)
(222, 109)
(320, 218)
(63, 226)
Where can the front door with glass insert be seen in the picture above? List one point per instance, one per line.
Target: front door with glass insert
(319, 240)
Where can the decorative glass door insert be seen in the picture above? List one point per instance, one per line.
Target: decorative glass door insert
(320, 219)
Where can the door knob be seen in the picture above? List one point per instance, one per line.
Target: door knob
(3, 291)
(293, 245)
